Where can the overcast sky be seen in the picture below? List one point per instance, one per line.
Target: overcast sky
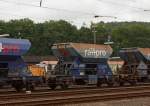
(76, 11)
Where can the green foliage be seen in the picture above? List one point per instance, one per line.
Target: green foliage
(42, 35)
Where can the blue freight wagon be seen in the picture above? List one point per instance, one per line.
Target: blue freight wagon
(13, 70)
(136, 64)
(81, 63)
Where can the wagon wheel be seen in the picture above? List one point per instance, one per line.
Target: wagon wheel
(53, 86)
(18, 85)
(99, 83)
(64, 86)
(110, 84)
(121, 83)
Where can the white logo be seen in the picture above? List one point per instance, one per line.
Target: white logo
(1, 47)
(94, 52)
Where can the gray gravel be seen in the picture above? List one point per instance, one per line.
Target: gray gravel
(126, 102)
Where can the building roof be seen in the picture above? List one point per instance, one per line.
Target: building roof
(49, 62)
(116, 62)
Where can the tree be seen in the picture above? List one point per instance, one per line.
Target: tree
(42, 35)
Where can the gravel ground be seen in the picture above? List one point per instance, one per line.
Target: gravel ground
(126, 102)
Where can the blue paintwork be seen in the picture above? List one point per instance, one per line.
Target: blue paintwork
(16, 47)
(11, 51)
(18, 66)
(75, 70)
(104, 70)
(131, 55)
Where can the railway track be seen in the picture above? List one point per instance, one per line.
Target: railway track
(79, 99)
(74, 96)
(6, 91)
(70, 92)
(41, 89)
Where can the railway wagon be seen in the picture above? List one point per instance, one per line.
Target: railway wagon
(81, 64)
(136, 65)
(13, 70)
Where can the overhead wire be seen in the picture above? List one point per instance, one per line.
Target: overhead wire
(56, 9)
(136, 9)
(18, 15)
(69, 11)
(126, 5)
(11, 14)
(8, 13)
(38, 18)
(40, 6)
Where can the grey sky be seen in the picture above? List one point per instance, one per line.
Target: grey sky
(79, 11)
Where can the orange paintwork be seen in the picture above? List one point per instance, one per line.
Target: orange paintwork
(36, 70)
